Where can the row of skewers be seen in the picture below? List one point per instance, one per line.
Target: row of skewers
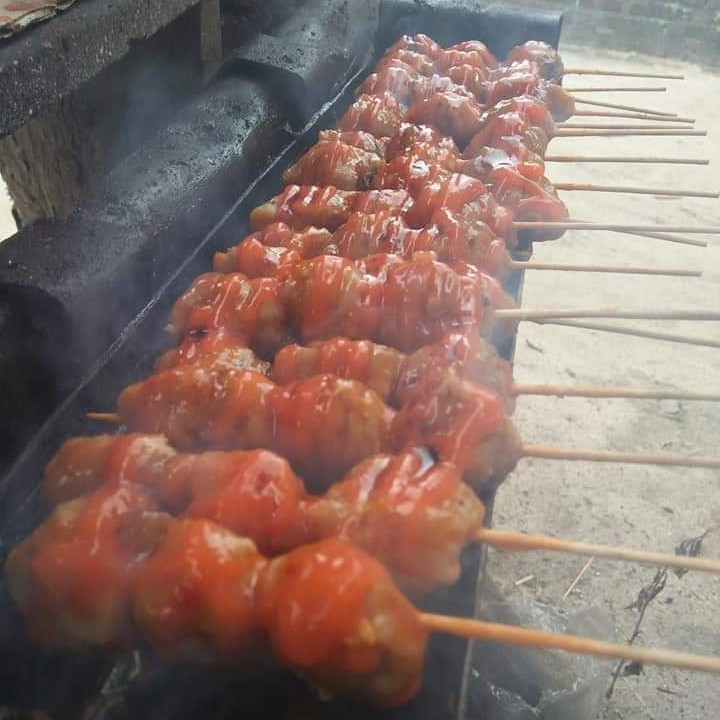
(333, 409)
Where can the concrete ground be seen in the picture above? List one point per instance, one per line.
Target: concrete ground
(648, 507)
(645, 507)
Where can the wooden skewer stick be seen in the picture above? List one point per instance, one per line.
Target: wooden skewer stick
(607, 312)
(617, 227)
(106, 417)
(591, 187)
(618, 106)
(520, 542)
(616, 126)
(648, 88)
(627, 133)
(550, 390)
(621, 73)
(668, 238)
(548, 452)
(527, 637)
(619, 269)
(621, 159)
(631, 115)
(639, 332)
(599, 391)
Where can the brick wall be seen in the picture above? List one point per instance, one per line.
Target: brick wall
(688, 29)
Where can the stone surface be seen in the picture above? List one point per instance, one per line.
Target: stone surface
(40, 66)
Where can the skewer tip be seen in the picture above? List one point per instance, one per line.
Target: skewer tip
(107, 417)
(528, 637)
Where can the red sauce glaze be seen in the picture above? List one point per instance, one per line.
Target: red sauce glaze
(403, 303)
(137, 458)
(425, 299)
(263, 252)
(85, 571)
(452, 419)
(312, 601)
(509, 125)
(380, 115)
(411, 77)
(315, 600)
(324, 425)
(456, 240)
(252, 310)
(305, 206)
(410, 133)
(203, 290)
(419, 43)
(197, 591)
(409, 511)
(452, 238)
(378, 264)
(350, 359)
(310, 240)
(519, 79)
(527, 199)
(364, 234)
(374, 365)
(333, 162)
(456, 115)
(410, 174)
(84, 463)
(356, 138)
(499, 219)
(476, 57)
(255, 260)
(475, 48)
(254, 494)
(329, 297)
(539, 53)
(408, 59)
(396, 202)
(394, 80)
(213, 349)
(528, 107)
(407, 484)
(472, 78)
(423, 88)
(415, 302)
(300, 206)
(510, 152)
(452, 194)
(464, 354)
(244, 414)
(441, 154)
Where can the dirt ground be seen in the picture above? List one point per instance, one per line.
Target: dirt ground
(645, 507)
